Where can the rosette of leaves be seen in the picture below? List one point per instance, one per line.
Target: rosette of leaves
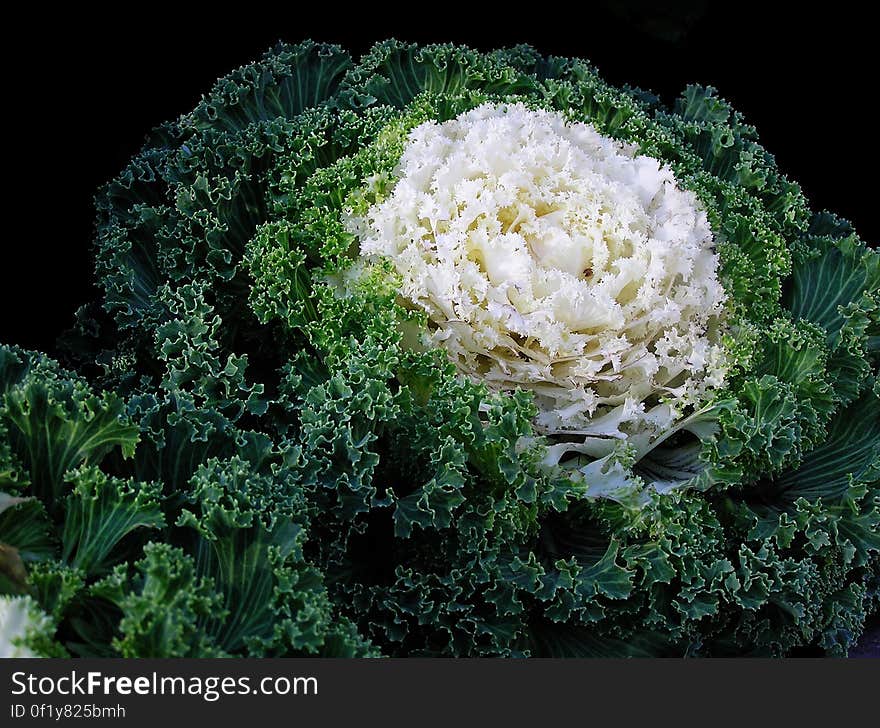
(266, 437)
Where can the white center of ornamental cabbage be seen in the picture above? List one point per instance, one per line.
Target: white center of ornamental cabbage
(19, 616)
(550, 257)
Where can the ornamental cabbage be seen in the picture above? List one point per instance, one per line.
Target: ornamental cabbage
(22, 624)
(551, 258)
(438, 352)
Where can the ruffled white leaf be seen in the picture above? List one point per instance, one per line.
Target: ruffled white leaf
(552, 258)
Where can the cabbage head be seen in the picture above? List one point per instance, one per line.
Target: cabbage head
(438, 352)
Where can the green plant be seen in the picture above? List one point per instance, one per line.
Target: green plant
(350, 390)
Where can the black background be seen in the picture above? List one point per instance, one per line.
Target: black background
(81, 91)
